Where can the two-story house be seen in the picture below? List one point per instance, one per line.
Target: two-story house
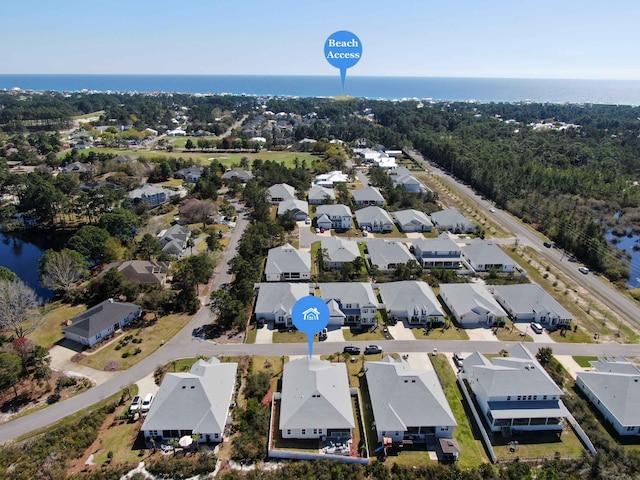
(337, 216)
(441, 252)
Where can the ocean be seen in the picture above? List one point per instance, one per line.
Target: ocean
(624, 92)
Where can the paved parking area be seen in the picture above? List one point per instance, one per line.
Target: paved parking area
(400, 332)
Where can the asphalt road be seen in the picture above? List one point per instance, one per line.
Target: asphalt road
(599, 287)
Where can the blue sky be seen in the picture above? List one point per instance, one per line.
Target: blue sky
(460, 38)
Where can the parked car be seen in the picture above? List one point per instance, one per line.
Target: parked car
(584, 270)
(321, 229)
(307, 221)
(323, 334)
(317, 230)
(365, 233)
(536, 327)
(135, 404)
(547, 244)
(146, 403)
(352, 349)
(372, 349)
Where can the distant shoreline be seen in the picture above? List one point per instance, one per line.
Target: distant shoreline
(511, 90)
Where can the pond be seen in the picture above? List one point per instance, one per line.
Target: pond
(20, 254)
(630, 244)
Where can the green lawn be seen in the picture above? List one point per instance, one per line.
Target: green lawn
(583, 360)
(511, 334)
(50, 330)
(153, 335)
(295, 336)
(88, 115)
(367, 335)
(471, 448)
(451, 333)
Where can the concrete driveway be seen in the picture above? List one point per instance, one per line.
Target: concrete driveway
(537, 337)
(400, 331)
(61, 360)
(265, 333)
(481, 334)
(418, 361)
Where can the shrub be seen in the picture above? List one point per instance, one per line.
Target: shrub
(126, 354)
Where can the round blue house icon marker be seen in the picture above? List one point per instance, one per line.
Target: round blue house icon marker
(310, 315)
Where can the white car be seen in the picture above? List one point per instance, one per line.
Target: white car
(146, 403)
(584, 270)
(536, 327)
(135, 404)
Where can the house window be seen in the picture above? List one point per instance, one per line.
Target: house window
(519, 397)
(535, 397)
(508, 397)
(444, 429)
(529, 397)
(544, 397)
(217, 435)
(320, 431)
(288, 432)
(304, 432)
(315, 431)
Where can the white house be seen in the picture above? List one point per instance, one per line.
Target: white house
(484, 256)
(413, 301)
(320, 195)
(100, 321)
(315, 402)
(412, 221)
(190, 174)
(285, 264)
(329, 180)
(613, 387)
(374, 219)
(194, 402)
(354, 303)
(471, 304)
(368, 196)
(453, 221)
(529, 302)
(280, 192)
(388, 254)
(514, 393)
(275, 301)
(441, 252)
(151, 194)
(338, 251)
(338, 217)
(408, 404)
(299, 208)
(402, 177)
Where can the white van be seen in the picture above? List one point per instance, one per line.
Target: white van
(146, 403)
(536, 327)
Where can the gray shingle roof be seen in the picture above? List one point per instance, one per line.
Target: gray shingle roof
(442, 244)
(273, 296)
(451, 218)
(315, 394)
(281, 190)
(409, 296)
(143, 271)
(294, 205)
(373, 215)
(466, 297)
(287, 259)
(616, 383)
(198, 400)
(412, 217)
(98, 318)
(319, 193)
(401, 397)
(484, 252)
(518, 374)
(242, 175)
(529, 297)
(335, 210)
(367, 194)
(349, 292)
(384, 252)
(339, 249)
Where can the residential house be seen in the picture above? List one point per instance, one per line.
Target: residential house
(529, 302)
(194, 402)
(320, 195)
(338, 251)
(412, 221)
(242, 175)
(514, 393)
(329, 180)
(441, 252)
(174, 240)
(408, 404)
(280, 192)
(374, 219)
(354, 303)
(613, 387)
(299, 208)
(151, 194)
(336, 216)
(100, 321)
(315, 402)
(402, 177)
(178, 132)
(368, 196)
(286, 264)
(412, 301)
(453, 221)
(125, 159)
(190, 174)
(78, 168)
(145, 272)
(388, 254)
(275, 301)
(484, 256)
(471, 304)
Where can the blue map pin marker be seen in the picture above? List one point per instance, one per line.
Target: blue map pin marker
(343, 50)
(310, 315)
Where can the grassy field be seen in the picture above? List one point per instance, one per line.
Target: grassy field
(50, 330)
(153, 335)
(295, 336)
(472, 451)
(367, 335)
(541, 445)
(88, 115)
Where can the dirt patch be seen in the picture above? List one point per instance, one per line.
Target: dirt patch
(77, 357)
(111, 366)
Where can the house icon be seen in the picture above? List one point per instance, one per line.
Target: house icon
(311, 314)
